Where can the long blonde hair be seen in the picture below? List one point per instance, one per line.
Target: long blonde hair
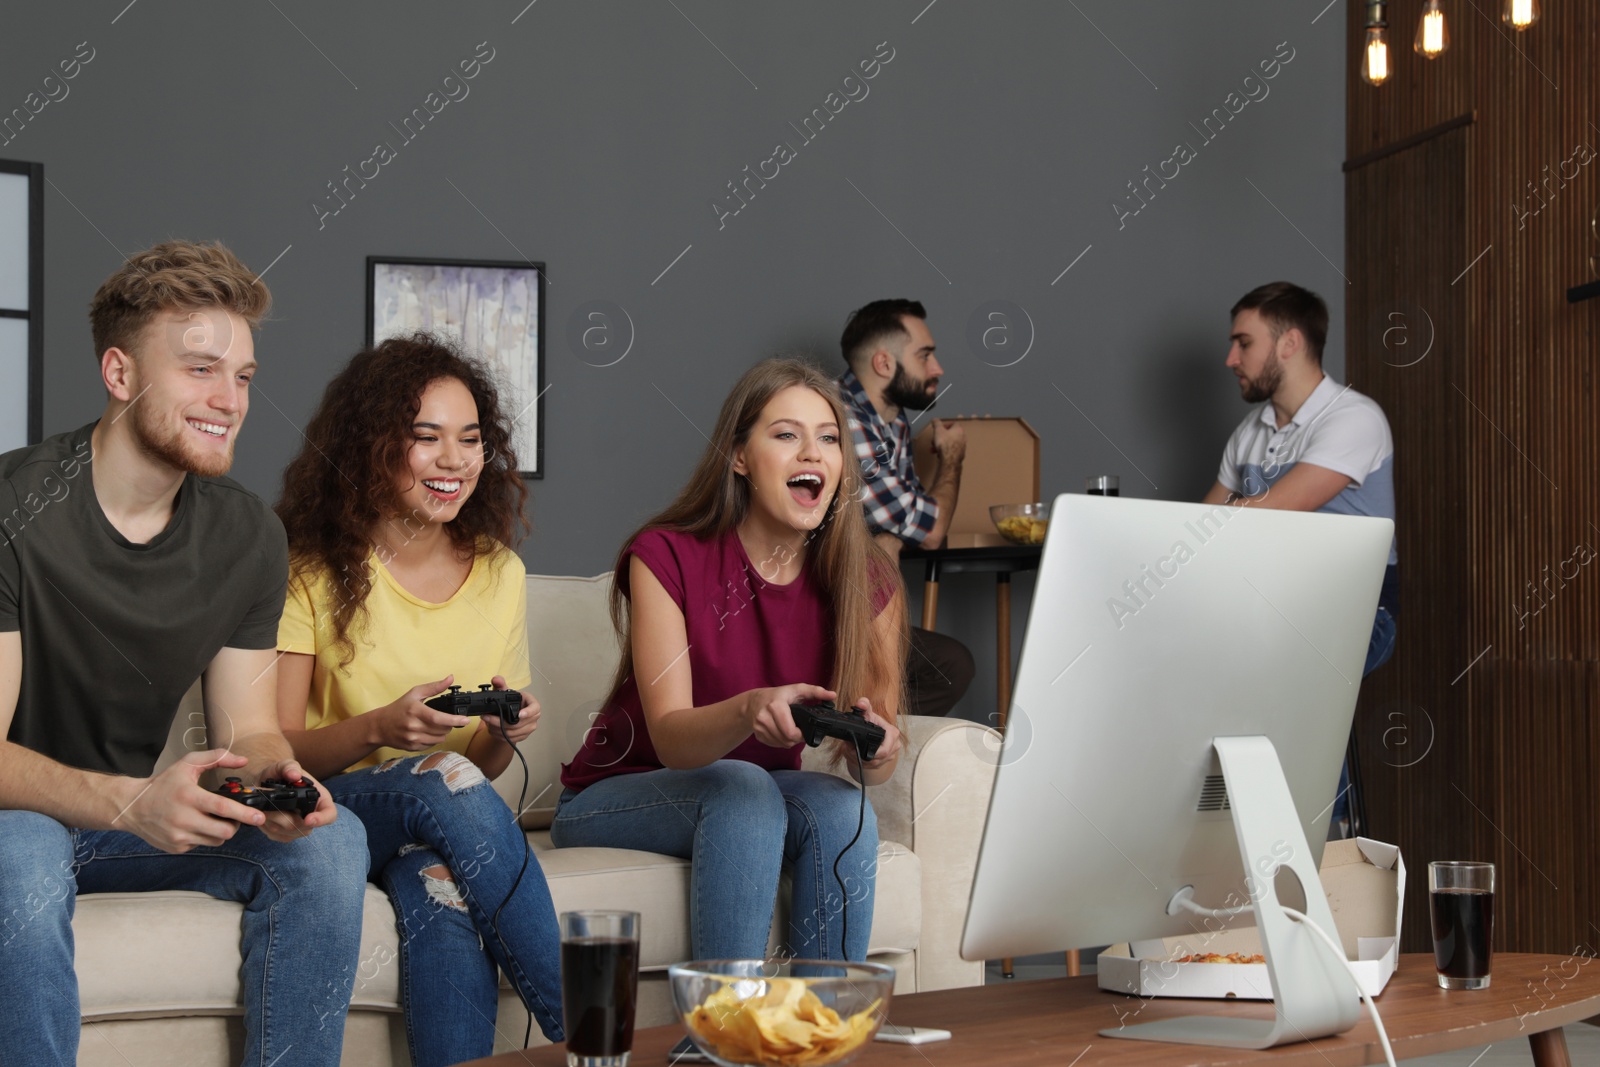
(847, 562)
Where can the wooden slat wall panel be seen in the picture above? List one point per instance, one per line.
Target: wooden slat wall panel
(1408, 339)
(1498, 456)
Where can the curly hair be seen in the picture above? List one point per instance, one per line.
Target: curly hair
(342, 483)
(178, 275)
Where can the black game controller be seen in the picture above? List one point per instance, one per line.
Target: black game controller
(273, 794)
(817, 721)
(506, 703)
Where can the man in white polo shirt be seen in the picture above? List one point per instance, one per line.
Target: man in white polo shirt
(1310, 444)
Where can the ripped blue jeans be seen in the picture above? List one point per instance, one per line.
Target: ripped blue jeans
(447, 850)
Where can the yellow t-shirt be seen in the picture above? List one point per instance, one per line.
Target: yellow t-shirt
(404, 641)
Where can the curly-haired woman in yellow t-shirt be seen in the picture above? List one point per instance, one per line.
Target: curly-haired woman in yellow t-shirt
(399, 511)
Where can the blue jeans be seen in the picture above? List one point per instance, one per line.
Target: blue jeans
(1380, 647)
(300, 937)
(447, 850)
(739, 826)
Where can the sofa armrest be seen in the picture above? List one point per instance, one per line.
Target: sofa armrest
(936, 805)
(951, 776)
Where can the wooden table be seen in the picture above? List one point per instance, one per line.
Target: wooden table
(1057, 1022)
(1000, 560)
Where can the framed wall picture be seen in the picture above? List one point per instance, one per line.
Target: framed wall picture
(21, 304)
(493, 308)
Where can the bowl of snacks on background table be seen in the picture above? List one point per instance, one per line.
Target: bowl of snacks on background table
(1021, 524)
(781, 1013)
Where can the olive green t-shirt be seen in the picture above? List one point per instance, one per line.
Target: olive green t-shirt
(114, 633)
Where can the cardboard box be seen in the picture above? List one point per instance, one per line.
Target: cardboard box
(1365, 881)
(1001, 467)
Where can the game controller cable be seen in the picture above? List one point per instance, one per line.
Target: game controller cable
(816, 721)
(861, 823)
(498, 703)
(494, 921)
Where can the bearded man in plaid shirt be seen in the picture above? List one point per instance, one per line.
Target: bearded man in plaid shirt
(892, 370)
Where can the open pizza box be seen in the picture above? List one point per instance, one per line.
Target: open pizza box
(1365, 881)
(1001, 467)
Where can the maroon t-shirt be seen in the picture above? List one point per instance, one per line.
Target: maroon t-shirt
(744, 633)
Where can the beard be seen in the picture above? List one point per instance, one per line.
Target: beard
(163, 441)
(1264, 385)
(904, 391)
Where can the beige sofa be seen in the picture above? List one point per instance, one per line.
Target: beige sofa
(158, 972)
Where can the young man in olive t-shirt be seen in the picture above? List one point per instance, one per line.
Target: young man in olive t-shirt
(129, 566)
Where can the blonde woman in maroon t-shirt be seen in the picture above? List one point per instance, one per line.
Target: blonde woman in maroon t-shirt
(759, 587)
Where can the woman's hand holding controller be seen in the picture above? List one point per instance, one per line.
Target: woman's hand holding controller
(889, 747)
(409, 724)
(527, 721)
(767, 711)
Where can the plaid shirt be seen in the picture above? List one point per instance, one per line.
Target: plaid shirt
(895, 500)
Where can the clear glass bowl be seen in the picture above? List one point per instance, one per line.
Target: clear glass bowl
(1021, 524)
(781, 1013)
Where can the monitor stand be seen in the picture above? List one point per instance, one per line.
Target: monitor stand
(1313, 991)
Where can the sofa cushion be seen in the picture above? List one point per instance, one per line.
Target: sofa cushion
(572, 654)
(622, 879)
(657, 887)
(176, 952)
(187, 944)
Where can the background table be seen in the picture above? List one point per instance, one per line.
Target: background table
(1058, 1022)
(1002, 561)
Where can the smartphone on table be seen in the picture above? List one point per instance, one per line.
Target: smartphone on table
(910, 1035)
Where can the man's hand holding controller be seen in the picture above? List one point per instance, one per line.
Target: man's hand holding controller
(175, 813)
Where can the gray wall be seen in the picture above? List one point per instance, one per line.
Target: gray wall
(997, 140)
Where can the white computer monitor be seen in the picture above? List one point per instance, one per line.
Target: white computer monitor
(1165, 640)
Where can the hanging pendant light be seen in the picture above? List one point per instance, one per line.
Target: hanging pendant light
(1433, 35)
(1520, 14)
(1375, 48)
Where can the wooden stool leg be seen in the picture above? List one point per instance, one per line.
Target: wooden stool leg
(1002, 633)
(930, 603)
(1002, 672)
(1074, 964)
(1550, 1049)
(1355, 802)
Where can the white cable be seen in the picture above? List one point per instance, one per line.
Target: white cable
(1216, 913)
(1338, 950)
(1184, 899)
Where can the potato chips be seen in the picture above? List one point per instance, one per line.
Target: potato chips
(785, 1026)
(1023, 529)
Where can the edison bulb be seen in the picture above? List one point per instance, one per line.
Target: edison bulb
(1520, 14)
(1433, 36)
(1375, 57)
